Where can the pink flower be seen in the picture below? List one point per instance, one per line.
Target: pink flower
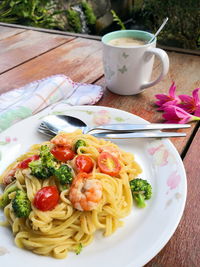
(191, 104)
(170, 99)
(173, 114)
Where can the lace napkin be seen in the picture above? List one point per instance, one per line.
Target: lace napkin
(57, 90)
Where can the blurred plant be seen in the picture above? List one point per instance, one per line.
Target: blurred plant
(89, 14)
(183, 27)
(81, 17)
(198, 42)
(74, 20)
(6, 13)
(38, 13)
(118, 20)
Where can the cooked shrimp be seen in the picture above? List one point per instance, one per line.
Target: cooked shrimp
(85, 193)
(9, 177)
(62, 139)
(111, 149)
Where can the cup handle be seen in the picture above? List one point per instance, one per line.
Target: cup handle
(162, 55)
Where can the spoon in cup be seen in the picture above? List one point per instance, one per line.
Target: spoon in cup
(159, 30)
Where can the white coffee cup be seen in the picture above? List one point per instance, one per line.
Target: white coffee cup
(128, 69)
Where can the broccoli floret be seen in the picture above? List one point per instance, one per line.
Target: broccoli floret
(79, 248)
(44, 167)
(21, 204)
(141, 191)
(47, 157)
(4, 199)
(64, 174)
(79, 143)
(39, 170)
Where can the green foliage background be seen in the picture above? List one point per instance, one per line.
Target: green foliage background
(37, 13)
(44, 14)
(183, 27)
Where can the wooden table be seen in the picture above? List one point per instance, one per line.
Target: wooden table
(27, 54)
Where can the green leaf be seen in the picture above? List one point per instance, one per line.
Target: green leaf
(88, 11)
(74, 20)
(30, 12)
(118, 20)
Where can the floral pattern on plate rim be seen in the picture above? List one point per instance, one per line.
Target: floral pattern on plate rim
(162, 157)
(7, 140)
(100, 117)
(3, 251)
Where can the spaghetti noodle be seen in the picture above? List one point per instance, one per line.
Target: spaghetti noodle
(65, 227)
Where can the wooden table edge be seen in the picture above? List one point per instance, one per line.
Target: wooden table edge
(96, 37)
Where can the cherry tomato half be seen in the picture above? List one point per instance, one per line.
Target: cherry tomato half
(24, 164)
(63, 153)
(84, 163)
(108, 164)
(110, 149)
(46, 198)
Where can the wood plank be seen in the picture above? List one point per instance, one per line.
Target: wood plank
(24, 46)
(184, 70)
(79, 59)
(183, 248)
(6, 32)
(180, 50)
(95, 37)
(59, 32)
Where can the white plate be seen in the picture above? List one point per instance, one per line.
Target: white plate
(145, 232)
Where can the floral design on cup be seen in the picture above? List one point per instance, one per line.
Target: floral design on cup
(123, 69)
(124, 55)
(101, 117)
(109, 72)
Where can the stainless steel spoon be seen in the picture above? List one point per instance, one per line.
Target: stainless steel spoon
(159, 30)
(53, 124)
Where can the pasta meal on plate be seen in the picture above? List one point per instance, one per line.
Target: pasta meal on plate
(58, 194)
